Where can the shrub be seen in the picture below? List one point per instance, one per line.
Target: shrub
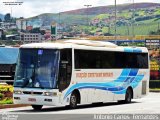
(1, 96)
(4, 88)
(6, 101)
(6, 94)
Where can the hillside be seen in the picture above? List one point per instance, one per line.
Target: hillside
(79, 15)
(110, 9)
(145, 17)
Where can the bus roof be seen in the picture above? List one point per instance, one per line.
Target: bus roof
(84, 44)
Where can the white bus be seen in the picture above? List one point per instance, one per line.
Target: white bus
(74, 72)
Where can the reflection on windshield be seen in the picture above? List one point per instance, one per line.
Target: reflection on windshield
(37, 68)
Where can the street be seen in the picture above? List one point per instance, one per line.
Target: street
(148, 104)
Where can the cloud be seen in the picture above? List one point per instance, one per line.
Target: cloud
(35, 7)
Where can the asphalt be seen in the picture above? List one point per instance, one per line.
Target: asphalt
(149, 105)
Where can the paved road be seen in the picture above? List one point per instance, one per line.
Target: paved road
(147, 105)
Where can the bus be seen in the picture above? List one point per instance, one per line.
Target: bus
(73, 72)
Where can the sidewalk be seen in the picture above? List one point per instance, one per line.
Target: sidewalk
(12, 106)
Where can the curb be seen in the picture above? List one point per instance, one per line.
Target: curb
(154, 90)
(12, 106)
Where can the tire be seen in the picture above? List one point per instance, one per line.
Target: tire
(73, 100)
(128, 96)
(37, 107)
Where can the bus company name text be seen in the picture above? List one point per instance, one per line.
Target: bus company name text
(94, 75)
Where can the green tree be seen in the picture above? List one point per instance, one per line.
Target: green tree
(7, 17)
(3, 37)
(155, 33)
(35, 30)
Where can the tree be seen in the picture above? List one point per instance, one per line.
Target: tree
(155, 32)
(0, 20)
(21, 18)
(3, 37)
(7, 17)
(42, 32)
(35, 30)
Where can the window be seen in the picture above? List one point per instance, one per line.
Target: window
(87, 59)
(65, 69)
(37, 68)
(90, 59)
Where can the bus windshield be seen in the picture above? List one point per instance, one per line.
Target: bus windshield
(37, 68)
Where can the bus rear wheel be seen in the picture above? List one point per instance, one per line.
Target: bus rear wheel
(128, 96)
(37, 107)
(73, 100)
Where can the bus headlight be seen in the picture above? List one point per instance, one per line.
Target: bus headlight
(50, 94)
(17, 92)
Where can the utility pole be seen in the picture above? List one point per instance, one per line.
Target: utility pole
(11, 13)
(87, 13)
(59, 17)
(127, 25)
(133, 20)
(115, 30)
(58, 26)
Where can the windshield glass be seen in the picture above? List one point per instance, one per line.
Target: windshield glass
(37, 68)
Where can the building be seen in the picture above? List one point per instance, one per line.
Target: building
(31, 37)
(47, 35)
(8, 59)
(28, 24)
(21, 24)
(1, 32)
(7, 25)
(12, 37)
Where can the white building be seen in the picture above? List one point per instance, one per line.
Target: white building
(7, 25)
(21, 24)
(31, 37)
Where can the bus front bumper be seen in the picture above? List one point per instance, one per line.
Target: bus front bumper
(37, 100)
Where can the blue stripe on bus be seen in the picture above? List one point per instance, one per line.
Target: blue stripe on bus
(123, 76)
(136, 50)
(127, 78)
(133, 72)
(128, 50)
(125, 72)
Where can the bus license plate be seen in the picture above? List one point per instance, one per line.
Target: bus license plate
(32, 99)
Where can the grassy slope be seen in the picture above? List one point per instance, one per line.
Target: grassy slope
(141, 27)
(138, 29)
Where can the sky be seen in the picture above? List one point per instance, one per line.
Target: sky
(30, 8)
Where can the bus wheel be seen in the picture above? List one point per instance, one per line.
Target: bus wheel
(37, 107)
(128, 96)
(73, 100)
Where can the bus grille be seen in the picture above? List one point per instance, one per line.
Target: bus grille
(144, 87)
(30, 92)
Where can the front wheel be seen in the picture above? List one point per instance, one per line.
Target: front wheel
(73, 100)
(37, 107)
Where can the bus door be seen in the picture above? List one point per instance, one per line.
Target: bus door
(65, 69)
